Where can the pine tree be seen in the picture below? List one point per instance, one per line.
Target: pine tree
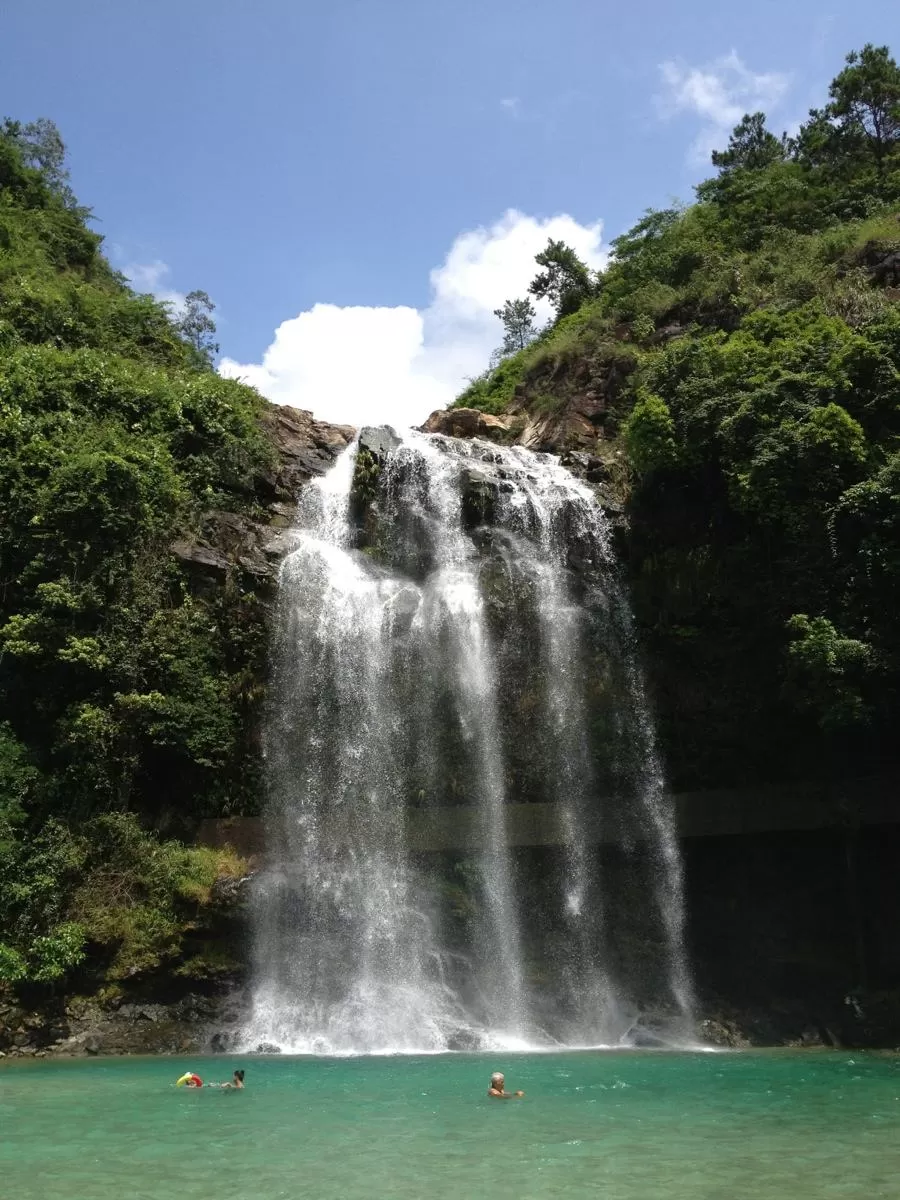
(518, 325)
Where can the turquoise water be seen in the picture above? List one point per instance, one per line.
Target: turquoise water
(632, 1126)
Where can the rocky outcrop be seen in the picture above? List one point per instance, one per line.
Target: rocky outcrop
(470, 422)
(228, 543)
(565, 408)
(565, 401)
(564, 433)
(886, 268)
(303, 446)
(881, 258)
(576, 425)
(867, 1021)
(180, 1006)
(378, 441)
(88, 1026)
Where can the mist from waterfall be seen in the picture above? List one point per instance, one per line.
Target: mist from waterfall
(452, 637)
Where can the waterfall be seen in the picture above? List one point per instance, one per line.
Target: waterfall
(454, 652)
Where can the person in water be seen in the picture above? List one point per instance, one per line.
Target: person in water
(496, 1091)
(237, 1081)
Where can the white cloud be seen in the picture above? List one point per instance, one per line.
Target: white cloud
(511, 104)
(151, 277)
(719, 93)
(368, 365)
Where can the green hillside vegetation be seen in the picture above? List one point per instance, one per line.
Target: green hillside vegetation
(748, 349)
(124, 700)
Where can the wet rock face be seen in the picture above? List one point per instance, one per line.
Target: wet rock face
(480, 490)
(575, 433)
(232, 544)
(378, 441)
(87, 1027)
(228, 542)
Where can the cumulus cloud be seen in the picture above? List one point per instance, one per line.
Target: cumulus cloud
(152, 277)
(363, 365)
(719, 93)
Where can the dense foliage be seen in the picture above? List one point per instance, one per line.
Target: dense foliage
(123, 697)
(748, 348)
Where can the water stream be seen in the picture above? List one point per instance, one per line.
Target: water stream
(453, 640)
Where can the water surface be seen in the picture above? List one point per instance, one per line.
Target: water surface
(629, 1126)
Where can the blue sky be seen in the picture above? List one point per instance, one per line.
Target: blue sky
(372, 177)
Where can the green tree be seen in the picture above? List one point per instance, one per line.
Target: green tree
(41, 147)
(566, 281)
(827, 672)
(18, 781)
(818, 142)
(519, 329)
(650, 435)
(196, 326)
(865, 102)
(751, 147)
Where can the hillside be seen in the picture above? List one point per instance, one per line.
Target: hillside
(735, 374)
(136, 486)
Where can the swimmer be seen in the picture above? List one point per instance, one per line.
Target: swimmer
(237, 1082)
(496, 1092)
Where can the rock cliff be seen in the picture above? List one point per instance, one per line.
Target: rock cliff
(229, 543)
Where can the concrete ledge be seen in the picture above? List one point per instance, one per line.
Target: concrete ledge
(698, 814)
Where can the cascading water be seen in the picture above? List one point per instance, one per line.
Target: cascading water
(452, 639)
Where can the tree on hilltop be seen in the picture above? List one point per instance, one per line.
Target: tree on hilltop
(197, 326)
(865, 102)
(566, 281)
(519, 328)
(751, 146)
(41, 147)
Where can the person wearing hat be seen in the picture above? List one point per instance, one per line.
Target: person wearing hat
(496, 1089)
